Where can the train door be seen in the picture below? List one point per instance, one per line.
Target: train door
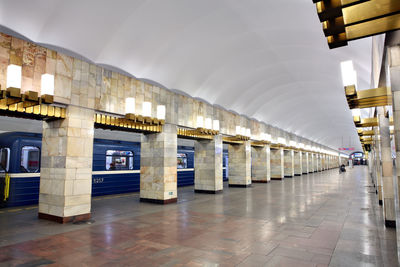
(4, 176)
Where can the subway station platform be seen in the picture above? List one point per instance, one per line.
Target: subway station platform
(319, 219)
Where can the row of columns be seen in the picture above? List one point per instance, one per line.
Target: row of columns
(65, 186)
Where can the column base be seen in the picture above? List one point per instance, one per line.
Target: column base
(240, 185)
(276, 178)
(260, 181)
(391, 224)
(297, 174)
(305, 173)
(58, 219)
(207, 191)
(159, 201)
(380, 202)
(288, 176)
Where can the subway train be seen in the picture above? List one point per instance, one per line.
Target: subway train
(116, 167)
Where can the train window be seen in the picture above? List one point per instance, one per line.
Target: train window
(4, 159)
(119, 160)
(182, 161)
(30, 159)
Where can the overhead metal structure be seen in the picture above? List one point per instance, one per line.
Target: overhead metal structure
(348, 20)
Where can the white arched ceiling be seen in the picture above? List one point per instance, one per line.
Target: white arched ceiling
(266, 59)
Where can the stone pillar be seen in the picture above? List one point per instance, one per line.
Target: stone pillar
(387, 170)
(394, 65)
(239, 157)
(66, 167)
(316, 164)
(319, 157)
(208, 162)
(289, 163)
(378, 173)
(304, 162)
(277, 160)
(298, 163)
(260, 164)
(310, 162)
(158, 172)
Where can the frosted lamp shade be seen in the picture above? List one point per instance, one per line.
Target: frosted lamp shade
(391, 127)
(208, 123)
(301, 145)
(216, 125)
(356, 112)
(47, 87)
(130, 105)
(268, 137)
(14, 76)
(281, 140)
(200, 122)
(147, 109)
(248, 132)
(243, 131)
(161, 112)
(293, 143)
(238, 130)
(349, 75)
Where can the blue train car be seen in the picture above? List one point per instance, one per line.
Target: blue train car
(116, 167)
(225, 165)
(185, 166)
(20, 159)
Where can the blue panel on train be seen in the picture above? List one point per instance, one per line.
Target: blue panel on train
(115, 184)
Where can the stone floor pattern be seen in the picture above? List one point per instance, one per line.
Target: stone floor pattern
(317, 219)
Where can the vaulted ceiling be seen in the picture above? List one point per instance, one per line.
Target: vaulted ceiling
(266, 59)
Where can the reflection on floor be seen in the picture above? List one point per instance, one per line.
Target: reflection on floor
(312, 220)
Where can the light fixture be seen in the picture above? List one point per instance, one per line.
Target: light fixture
(238, 130)
(130, 105)
(160, 112)
(391, 128)
(47, 84)
(292, 143)
(208, 123)
(349, 75)
(243, 131)
(146, 109)
(268, 137)
(14, 76)
(281, 141)
(248, 132)
(216, 125)
(200, 122)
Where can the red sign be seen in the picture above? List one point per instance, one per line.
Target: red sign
(346, 148)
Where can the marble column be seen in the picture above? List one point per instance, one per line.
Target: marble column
(387, 170)
(66, 167)
(288, 163)
(298, 163)
(208, 162)
(316, 162)
(277, 160)
(394, 68)
(310, 162)
(378, 166)
(158, 171)
(319, 157)
(304, 162)
(239, 158)
(260, 164)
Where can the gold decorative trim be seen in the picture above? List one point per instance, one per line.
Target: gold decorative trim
(29, 105)
(139, 124)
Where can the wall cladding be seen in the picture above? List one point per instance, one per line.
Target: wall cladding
(90, 86)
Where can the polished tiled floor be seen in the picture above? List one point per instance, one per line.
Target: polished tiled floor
(314, 220)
